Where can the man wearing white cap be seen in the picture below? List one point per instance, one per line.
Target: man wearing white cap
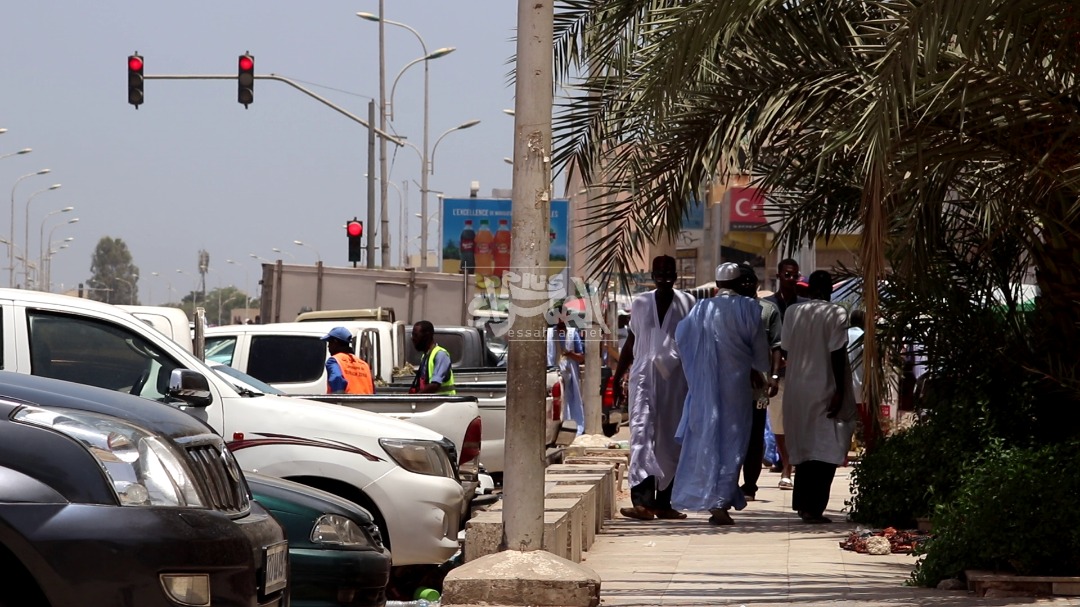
(720, 341)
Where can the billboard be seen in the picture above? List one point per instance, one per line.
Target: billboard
(475, 237)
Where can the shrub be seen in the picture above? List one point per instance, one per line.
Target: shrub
(1015, 510)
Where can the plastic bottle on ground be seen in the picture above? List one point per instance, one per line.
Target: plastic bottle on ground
(413, 603)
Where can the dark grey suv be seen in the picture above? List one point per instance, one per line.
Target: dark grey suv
(110, 499)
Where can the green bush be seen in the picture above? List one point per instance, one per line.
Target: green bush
(1014, 510)
(888, 487)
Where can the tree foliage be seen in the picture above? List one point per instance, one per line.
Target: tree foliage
(113, 277)
(945, 131)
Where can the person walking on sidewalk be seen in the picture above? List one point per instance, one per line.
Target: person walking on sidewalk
(721, 342)
(819, 406)
(787, 275)
(657, 388)
(566, 349)
(770, 318)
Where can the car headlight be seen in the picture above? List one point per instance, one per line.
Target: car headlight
(419, 456)
(337, 530)
(145, 470)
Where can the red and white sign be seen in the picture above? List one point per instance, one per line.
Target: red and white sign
(747, 209)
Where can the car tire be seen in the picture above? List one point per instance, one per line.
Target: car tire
(20, 590)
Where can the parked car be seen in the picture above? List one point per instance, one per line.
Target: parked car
(336, 554)
(402, 473)
(110, 499)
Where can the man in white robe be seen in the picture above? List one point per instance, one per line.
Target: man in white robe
(657, 390)
(566, 350)
(819, 403)
(720, 341)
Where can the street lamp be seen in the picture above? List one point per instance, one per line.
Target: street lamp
(47, 264)
(41, 241)
(26, 230)
(11, 238)
(280, 252)
(256, 257)
(131, 287)
(247, 293)
(382, 71)
(301, 244)
(18, 153)
(428, 168)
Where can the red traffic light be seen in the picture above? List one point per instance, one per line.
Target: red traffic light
(355, 228)
(135, 63)
(246, 63)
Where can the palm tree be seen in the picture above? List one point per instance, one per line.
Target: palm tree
(945, 130)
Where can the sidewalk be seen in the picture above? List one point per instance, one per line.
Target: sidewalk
(769, 557)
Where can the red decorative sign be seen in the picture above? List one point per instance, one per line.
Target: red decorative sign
(747, 207)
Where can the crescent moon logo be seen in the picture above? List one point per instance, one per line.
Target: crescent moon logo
(739, 211)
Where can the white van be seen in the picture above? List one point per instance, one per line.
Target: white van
(400, 471)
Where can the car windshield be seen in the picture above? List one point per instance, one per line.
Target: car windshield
(243, 381)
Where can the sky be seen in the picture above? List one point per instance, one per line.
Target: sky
(191, 169)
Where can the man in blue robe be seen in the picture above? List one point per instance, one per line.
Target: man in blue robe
(720, 341)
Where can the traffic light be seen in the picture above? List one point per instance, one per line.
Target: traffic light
(135, 80)
(355, 229)
(245, 79)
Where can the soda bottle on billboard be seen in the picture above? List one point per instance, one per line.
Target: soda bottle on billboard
(502, 248)
(468, 248)
(484, 249)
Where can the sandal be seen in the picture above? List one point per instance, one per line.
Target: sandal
(670, 513)
(640, 513)
(786, 484)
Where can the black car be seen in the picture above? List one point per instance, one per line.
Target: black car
(336, 554)
(111, 499)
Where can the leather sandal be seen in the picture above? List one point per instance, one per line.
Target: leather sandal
(640, 513)
(670, 513)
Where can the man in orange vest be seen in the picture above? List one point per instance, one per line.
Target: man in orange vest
(345, 373)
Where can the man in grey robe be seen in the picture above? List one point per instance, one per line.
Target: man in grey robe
(819, 403)
(721, 341)
(657, 389)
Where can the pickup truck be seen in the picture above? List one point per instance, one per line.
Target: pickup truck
(291, 357)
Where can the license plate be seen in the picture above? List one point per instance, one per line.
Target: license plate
(275, 567)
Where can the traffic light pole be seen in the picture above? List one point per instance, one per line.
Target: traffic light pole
(366, 124)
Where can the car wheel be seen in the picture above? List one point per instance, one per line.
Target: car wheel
(19, 589)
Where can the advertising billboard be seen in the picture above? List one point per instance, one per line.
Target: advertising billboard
(475, 237)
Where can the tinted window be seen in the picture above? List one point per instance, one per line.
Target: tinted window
(286, 359)
(453, 342)
(95, 353)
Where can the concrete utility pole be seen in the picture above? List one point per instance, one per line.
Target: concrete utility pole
(384, 211)
(523, 511)
(369, 249)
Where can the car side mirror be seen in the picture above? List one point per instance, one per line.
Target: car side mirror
(191, 387)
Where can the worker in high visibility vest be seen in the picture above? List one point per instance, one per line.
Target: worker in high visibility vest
(434, 376)
(345, 373)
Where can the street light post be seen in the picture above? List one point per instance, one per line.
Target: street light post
(26, 232)
(318, 257)
(11, 237)
(382, 72)
(47, 265)
(41, 241)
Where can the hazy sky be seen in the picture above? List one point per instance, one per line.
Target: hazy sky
(192, 169)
